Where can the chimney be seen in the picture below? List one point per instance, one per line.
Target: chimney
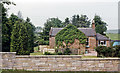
(93, 24)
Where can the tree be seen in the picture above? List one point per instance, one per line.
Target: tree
(67, 21)
(6, 25)
(23, 40)
(51, 22)
(30, 34)
(20, 15)
(15, 42)
(80, 21)
(100, 25)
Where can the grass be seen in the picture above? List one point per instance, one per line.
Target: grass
(90, 57)
(113, 36)
(20, 71)
(36, 53)
(36, 48)
(0, 71)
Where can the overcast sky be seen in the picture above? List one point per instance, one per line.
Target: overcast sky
(40, 10)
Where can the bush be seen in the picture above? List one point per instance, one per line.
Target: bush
(117, 51)
(48, 53)
(104, 51)
(67, 51)
(59, 53)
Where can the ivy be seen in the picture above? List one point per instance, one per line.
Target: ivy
(68, 35)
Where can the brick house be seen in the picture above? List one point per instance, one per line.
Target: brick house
(93, 39)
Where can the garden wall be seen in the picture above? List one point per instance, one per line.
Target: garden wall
(57, 63)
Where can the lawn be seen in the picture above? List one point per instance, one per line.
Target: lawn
(113, 36)
(90, 57)
(17, 71)
(36, 53)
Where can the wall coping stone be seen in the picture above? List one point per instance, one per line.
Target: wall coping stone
(8, 52)
(99, 59)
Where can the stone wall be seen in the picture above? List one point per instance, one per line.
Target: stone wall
(58, 63)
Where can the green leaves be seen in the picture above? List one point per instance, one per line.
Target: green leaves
(68, 35)
(100, 25)
(22, 39)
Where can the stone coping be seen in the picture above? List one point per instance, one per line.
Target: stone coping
(8, 52)
(98, 59)
(65, 56)
(49, 56)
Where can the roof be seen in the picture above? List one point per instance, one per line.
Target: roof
(101, 37)
(86, 31)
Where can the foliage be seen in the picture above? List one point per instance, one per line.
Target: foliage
(59, 53)
(100, 25)
(36, 48)
(14, 46)
(67, 51)
(67, 21)
(80, 21)
(117, 51)
(22, 39)
(48, 53)
(6, 25)
(52, 22)
(68, 35)
(36, 53)
(104, 51)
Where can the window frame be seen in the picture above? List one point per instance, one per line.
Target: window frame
(102, 43)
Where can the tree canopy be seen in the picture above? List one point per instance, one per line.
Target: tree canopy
(101, 26)
(68, 35)
(17, 33)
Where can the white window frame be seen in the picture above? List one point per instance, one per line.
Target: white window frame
(99, 43)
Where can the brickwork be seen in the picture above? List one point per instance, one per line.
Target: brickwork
(108, 43)
(58, 63)
(52, 42)
(92, 42)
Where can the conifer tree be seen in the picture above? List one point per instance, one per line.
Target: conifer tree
(23, 39)
(14, 46)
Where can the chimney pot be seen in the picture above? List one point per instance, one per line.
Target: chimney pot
(93, 24)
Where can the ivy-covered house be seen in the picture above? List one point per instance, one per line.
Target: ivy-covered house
(81, 38)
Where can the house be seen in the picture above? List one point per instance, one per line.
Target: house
(93, 39)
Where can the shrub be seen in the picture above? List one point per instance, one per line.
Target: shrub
(67, 51)
(104, 51)
(48, 53)
(117, 51)
(59, 53)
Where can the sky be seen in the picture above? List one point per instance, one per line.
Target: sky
(40, 10)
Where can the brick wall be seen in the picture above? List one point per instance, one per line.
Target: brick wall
(58, 63)
(108, 43)
(92, 42)
(52, 42)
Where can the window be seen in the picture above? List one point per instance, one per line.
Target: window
(87, 42)
(102, 43)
